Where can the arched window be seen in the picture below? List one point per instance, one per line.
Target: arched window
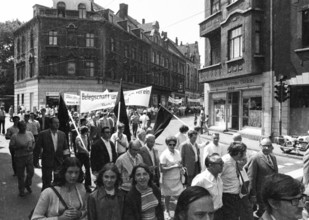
(61, 9)
(82, 11)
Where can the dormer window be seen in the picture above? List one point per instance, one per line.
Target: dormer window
(61, 9)
(82, 11)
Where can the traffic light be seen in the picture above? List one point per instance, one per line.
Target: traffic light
(286, 92)
(278, 93)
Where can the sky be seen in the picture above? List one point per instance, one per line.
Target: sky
(179, 18)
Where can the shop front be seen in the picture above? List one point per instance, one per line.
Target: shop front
(238, 104)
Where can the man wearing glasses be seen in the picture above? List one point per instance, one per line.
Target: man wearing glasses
(103, 151)
(259, 166)
(210, 180)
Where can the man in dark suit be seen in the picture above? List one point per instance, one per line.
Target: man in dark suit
(190, 154)
(259, 166)
(43, 120)
(103, 151)
(54, 147)
(151, 157)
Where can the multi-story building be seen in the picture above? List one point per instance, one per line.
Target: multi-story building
(78, 45)
(238, 72)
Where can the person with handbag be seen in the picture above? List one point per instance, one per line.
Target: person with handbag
(70, 203)
(171, 167)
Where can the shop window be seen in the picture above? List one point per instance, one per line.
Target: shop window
(252, 112)
(215, 6)
(235, 43)
(219, 112)
(53, 37)
(305, 28)
(89, 40)
(82, 11)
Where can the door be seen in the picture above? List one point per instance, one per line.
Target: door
(233, 103)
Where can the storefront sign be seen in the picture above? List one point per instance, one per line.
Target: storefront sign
(233, 84)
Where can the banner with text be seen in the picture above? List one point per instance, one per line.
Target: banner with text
(174, 101)
(90, 101)
(194, 100)
(71, 99)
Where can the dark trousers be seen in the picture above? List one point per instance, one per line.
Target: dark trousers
(22, 163)
(134, 129)
(231, 206)
(84, 160)
(47, 176)
(246, 210)
(12, 152)
(2, 123)
(218, 215)
(261, 207)
(197, 170)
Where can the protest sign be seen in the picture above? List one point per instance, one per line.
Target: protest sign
(71, 99)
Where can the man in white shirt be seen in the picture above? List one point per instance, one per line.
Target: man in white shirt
(212, 147)
(120, 140)
(144, 120)
(210, 180)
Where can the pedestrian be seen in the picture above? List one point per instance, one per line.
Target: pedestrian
(195, 119)
(212, 147)
(171, 168)
(134, 120)
(260, 165)
(202, 120)
(143, 201)
(194, 203)
(144, 120)
(2, 119)
(141, 135)
(120, 140)
(106, 202)
(190, 156)
(43, 120)
(52, 144)
(211, 180)
(181, 136)
(11, 113)
(9, 133)
(82, 145)
(232, 184)
(150, 157)
(23, 144)
(103, 151)
(283, 198)
(126, 162)
(70, 189)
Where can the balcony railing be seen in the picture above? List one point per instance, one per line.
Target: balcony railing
(210, 24)
(210, 73)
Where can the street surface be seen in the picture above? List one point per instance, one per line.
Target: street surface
(16, 208)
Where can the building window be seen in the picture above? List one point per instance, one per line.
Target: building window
(17, 101)
(23, 45)
(133, 53)
(61, 9)
(22, 99)
(153, 57)
(158, 59)
(82, 11)
(31, 40)
(52, 67)
(53, 38)
(18, 46)
(31, 69)
(215, 6)
(305, 28)
(71, 68)
(89, 40)
(90, 68)
(126, 51)
(252, 112)
(22, 72)
(113, 44)
(258, 37)
(235, 43)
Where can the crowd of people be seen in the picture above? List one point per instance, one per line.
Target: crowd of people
(132, 181)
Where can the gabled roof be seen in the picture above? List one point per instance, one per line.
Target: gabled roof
(146, 27)
(96, 7)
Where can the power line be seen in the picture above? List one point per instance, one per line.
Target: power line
(182, 20)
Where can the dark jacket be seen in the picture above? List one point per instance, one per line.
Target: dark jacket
(133, 204)
(46, 124)
(99, 155)
(147, 160)
(50, 157)
(96, 200)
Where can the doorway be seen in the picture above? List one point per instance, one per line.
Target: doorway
(233, 110)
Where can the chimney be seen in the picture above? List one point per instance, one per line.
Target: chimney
(176, 41)
(143, 21)
(180, 43)
(123, 10)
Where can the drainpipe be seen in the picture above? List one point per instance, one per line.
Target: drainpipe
(271, 66)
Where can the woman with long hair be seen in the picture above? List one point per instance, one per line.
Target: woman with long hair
(68, 185)
(143, 201)
(106, 201)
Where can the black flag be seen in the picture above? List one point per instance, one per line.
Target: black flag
(162, 120)
(63, 116)
(123, 118)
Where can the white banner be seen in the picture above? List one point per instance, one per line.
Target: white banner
(71, 99)
(194, 100)
(174, 101)
(90, 101)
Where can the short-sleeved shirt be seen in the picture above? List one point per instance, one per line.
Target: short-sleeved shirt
(168, 158)
(22, 144)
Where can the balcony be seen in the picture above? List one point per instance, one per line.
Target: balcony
(210, 24)
(210, 73)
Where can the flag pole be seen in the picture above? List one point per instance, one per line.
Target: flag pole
(175, 116)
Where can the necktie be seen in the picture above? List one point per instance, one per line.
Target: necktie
(269, 160)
